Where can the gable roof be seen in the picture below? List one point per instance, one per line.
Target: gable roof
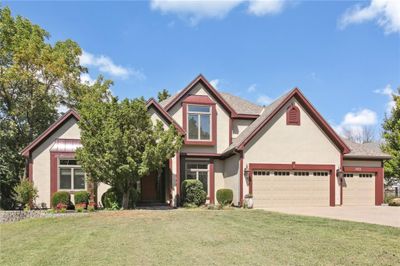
(271, 110)
(164, 114)
(366, 150)
(199, 79)
(238, 107)
(56, 125)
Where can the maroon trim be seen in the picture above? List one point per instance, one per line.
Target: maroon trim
(213, 140)
(178, 176)
(313, 113)
(320, 167)
(230, 131)
(241, 179)
(379, 174)
(198, 99)
(201, 79)
(290, 120)
(245, 116)
(170, 175)
(54, 169)
(42, 137)
(164, 114)
(30, 170)
(341, 180)
(212, 182)
(202, 155)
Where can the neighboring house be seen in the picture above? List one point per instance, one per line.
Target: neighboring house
(283, 154)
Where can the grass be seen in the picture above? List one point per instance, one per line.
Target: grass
(196, 237)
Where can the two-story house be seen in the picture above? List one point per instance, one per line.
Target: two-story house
(283, 154)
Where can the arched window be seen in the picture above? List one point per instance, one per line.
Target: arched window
(293, 115)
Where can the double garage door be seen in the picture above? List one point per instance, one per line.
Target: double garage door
(290, 188)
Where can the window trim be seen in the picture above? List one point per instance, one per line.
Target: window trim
(199, 121)
(200, 170)
(213, 117)
(72, 167)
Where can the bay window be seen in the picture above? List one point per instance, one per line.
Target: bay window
(71, 175)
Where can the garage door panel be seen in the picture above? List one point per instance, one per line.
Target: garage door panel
(359, 190)
(290, 190)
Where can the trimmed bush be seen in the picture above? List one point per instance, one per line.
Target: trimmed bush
(394, 202)
(225, 196)
(62, 197)
(193, 192)
(81, 197)
(112, 199)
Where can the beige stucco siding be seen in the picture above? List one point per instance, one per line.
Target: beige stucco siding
(231, 176)
(155, 116)
(238, 125)
(222, 124)
(41, 159)
(280, 143)
(362, 163)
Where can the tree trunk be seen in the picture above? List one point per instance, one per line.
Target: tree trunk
(125, 200)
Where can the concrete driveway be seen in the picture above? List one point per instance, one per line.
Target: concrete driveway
(383, 215)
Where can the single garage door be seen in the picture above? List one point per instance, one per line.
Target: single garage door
(290, 188)
(359, 189)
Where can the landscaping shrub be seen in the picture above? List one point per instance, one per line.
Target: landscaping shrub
(26, 193)
(193, 192)
(81, 197)
(62, 197)
(394, 202)
(112, 199)
(225, 196)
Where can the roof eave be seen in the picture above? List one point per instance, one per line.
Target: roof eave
(372, 157)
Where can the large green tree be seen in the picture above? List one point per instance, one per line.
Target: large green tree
(162, 95)
(391, 134)
(120, 142)
(36, 78)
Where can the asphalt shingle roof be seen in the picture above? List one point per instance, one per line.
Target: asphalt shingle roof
(267, 111)
(240, 105)
(365, 150)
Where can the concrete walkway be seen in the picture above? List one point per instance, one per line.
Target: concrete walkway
(383, 215)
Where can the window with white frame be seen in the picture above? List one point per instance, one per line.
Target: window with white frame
(199, 122)
(71, 175)
(199, 171)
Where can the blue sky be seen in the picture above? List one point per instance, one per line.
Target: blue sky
(344, 55)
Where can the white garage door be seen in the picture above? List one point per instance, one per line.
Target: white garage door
(359, 189)
(290, 188)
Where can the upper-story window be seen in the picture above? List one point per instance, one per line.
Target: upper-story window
(199, 122)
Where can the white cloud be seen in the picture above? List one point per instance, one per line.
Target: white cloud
(264, 7)
(264, 100)
(215, 83)
(196, 10)
(355, 122)
(385, 12)
(252, 88)
(388, 91)
(86, 78)
(106, 65)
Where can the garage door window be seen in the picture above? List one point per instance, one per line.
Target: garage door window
(198, 171)
(365, 175)
(261, 172)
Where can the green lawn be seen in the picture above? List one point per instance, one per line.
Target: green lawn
(196, 237)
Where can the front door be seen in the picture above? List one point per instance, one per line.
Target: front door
(149, 188)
